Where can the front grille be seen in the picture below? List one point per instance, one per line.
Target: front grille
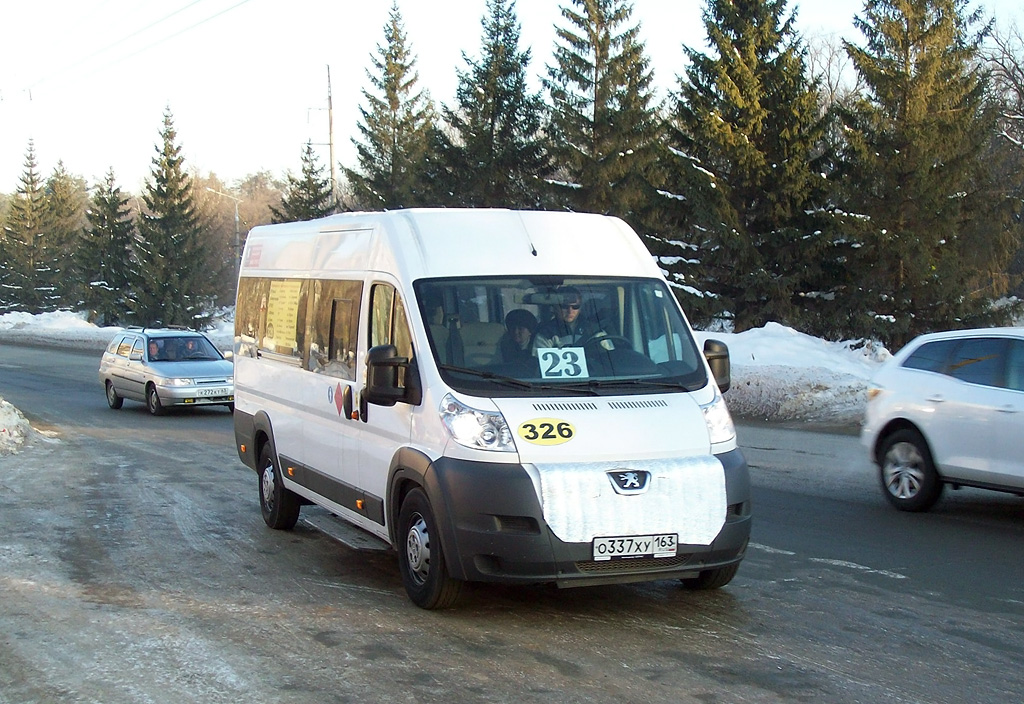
(639, 564)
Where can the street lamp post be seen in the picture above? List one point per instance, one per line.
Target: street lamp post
(238, 245)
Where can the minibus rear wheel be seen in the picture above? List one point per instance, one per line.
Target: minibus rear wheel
(280, 506)
(424, 570)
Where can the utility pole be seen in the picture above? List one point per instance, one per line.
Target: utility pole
(238, 241)
(330, 136)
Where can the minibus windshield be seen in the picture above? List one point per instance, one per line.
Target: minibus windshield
(558, 336)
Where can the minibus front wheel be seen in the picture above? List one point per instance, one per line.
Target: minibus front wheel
(712, 579)
(424, 571)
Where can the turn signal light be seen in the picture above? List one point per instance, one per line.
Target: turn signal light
(242, 448)
(359, 504)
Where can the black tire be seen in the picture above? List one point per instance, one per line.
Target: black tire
(907, 472)
(153, 401)
(231, 407)
(420, 557)
(280, 506)
(712, 579)
(113, 400)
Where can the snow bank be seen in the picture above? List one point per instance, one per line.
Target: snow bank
(13, 428)
(781, 375)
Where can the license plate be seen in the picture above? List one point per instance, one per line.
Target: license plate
(635, 546)
(212, 392)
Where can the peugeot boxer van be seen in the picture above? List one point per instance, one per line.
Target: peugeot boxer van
(583, 442)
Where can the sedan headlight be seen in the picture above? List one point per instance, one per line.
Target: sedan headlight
(178, 382)
(479, 430)
(719, 422)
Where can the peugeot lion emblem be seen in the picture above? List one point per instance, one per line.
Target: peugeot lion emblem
(629, 481)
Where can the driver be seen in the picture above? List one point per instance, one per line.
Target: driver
(565, 329)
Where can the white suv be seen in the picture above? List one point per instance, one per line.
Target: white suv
(949, 409)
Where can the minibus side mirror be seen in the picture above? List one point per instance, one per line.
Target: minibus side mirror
(717, 354)
(382, 389)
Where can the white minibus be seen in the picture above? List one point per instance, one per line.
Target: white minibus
(500, 396)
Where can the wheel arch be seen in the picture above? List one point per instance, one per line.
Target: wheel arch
(263, 433)
(410, 469)
(893, 426)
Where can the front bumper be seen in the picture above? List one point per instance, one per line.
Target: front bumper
(198, 395)
(494, 531)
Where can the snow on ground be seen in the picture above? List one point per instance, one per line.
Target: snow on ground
(778, 374)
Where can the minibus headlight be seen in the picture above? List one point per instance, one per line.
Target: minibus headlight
(719, 422)
(480, 430)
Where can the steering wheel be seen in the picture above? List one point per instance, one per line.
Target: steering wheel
(616, 342)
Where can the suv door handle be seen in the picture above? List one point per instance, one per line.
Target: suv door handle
(936, 398)
(1007, 409)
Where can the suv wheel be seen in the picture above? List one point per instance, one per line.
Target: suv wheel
(907, 471)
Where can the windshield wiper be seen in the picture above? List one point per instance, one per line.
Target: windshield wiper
(490, 376)
(595, 384)
(516, 383)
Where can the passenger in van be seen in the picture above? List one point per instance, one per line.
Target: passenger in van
(154, 351)
(516, 345)
(566, 328)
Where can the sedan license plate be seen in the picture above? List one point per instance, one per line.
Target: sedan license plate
(212, 392)
(635, 546)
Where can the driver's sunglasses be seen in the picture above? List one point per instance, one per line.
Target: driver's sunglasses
(570, 306)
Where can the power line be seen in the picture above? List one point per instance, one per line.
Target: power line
(134, 34)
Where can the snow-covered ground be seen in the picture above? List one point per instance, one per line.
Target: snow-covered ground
(778, 374)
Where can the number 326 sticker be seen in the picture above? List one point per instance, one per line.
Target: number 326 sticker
(546, 431)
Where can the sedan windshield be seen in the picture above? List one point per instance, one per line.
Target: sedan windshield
(178, 349)
(564, 337)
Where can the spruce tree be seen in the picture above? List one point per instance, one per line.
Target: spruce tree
(939, 230)
(494, 157)
(177, 268)
(747, 135)
(604, 128)
(308, 196)
(26, 283)
(396, 125)
(105, 258)
(66, 199)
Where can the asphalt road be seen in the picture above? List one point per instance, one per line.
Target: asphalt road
(135, 567)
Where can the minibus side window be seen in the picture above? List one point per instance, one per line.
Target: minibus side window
(251, 313)
(381, 303)
(286, 318)
(388, 323)
(333, 336)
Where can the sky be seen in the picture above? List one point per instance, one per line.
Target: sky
(778, 374)
(246, 80)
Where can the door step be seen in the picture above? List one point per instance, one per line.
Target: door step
(344, 532)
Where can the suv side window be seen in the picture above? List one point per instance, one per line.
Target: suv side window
(979, 361)
(137, 347)
(1015, 366)
(931, 356)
